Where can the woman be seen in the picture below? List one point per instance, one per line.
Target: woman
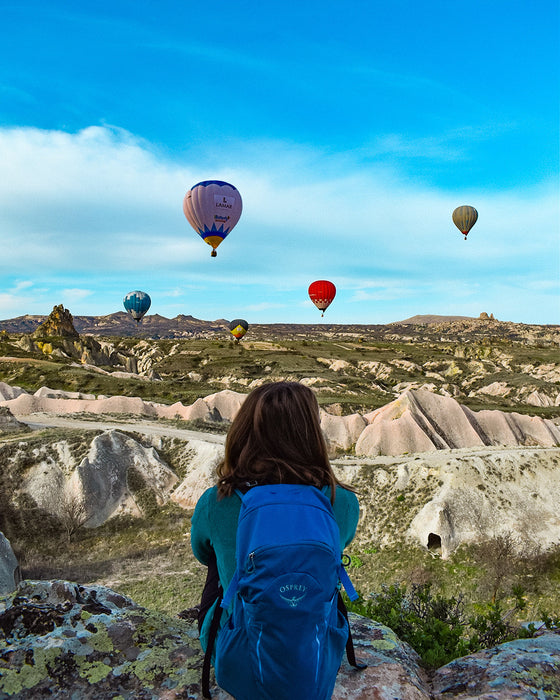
(275, 438)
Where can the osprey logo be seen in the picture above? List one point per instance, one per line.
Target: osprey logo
(293, 593)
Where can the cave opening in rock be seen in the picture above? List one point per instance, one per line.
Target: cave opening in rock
(434, 541)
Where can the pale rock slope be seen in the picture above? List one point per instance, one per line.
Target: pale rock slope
(419, 421)
(101, 482)
(201, 472)
(450, 497)
(220, 406)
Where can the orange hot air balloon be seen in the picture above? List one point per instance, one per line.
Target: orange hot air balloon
(321, 293)
(212, 208)
(465, 218)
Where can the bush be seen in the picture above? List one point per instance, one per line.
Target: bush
(437, 627)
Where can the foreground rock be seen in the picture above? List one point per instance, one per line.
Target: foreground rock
(62, 640)
(524, 668)
(8, 566)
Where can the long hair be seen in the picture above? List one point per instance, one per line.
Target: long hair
(276, 438)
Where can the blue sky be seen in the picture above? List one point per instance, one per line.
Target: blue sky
(352, 130)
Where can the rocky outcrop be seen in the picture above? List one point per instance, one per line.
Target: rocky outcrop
(7, 392)
(59, 323)
(61, 639)
(115, 477)
(10, 424)
(342, 432)
(523, 668)
(419, 421)
(200, 472)
(447, 498)
(8, 566)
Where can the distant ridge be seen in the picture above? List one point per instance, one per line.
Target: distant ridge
(431, 318)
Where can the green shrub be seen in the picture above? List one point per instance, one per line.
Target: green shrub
(437, 627)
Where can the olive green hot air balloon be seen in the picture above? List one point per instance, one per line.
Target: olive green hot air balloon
(465, 218)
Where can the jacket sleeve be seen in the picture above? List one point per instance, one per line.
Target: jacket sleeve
(353, 515)
(201, 542)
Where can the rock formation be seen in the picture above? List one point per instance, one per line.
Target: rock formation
(8, 566)
(114, 478)
(419, 421)
(59, 324)
(61, 639)
(10, 424)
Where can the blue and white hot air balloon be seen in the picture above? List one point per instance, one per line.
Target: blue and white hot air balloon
(212, 208)
(137, 303)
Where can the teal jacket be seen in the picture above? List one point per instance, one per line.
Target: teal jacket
(214, 527)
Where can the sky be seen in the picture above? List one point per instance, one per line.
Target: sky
(351, 129)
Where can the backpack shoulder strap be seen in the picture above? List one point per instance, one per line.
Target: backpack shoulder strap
(212, 634)
(350, 654)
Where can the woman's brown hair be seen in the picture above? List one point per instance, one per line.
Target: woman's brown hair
(276, 438)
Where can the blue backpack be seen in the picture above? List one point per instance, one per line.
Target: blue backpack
(288, 628)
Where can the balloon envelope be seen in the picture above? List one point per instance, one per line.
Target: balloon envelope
(212, 208)
(238, 327)
(465, 218)
(321, 293)
(137, 303)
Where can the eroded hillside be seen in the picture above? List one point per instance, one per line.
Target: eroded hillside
(482, 364)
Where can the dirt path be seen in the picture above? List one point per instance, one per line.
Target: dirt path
(38, 421)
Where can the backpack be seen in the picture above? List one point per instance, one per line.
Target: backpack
(287, 630)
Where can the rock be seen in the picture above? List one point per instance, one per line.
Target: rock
(341, 432)
(107, 482)
(523, 668)
(59, 323)
(454, 497)
(7, 392)
(62, 640)
(45, 392)
(10, 424)
(201, 472)
(393, 667)
(8, 566)
(420, 421)
(226, 403)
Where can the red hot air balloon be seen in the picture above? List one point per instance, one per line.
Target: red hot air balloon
(321, 293)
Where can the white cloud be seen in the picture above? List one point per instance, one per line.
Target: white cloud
(20, 286)
(73, 296)
(103, 209)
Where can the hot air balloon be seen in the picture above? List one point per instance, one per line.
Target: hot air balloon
(238, 327)
(465, 218)
(212, 208)
(137, 303)
(321, 293)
